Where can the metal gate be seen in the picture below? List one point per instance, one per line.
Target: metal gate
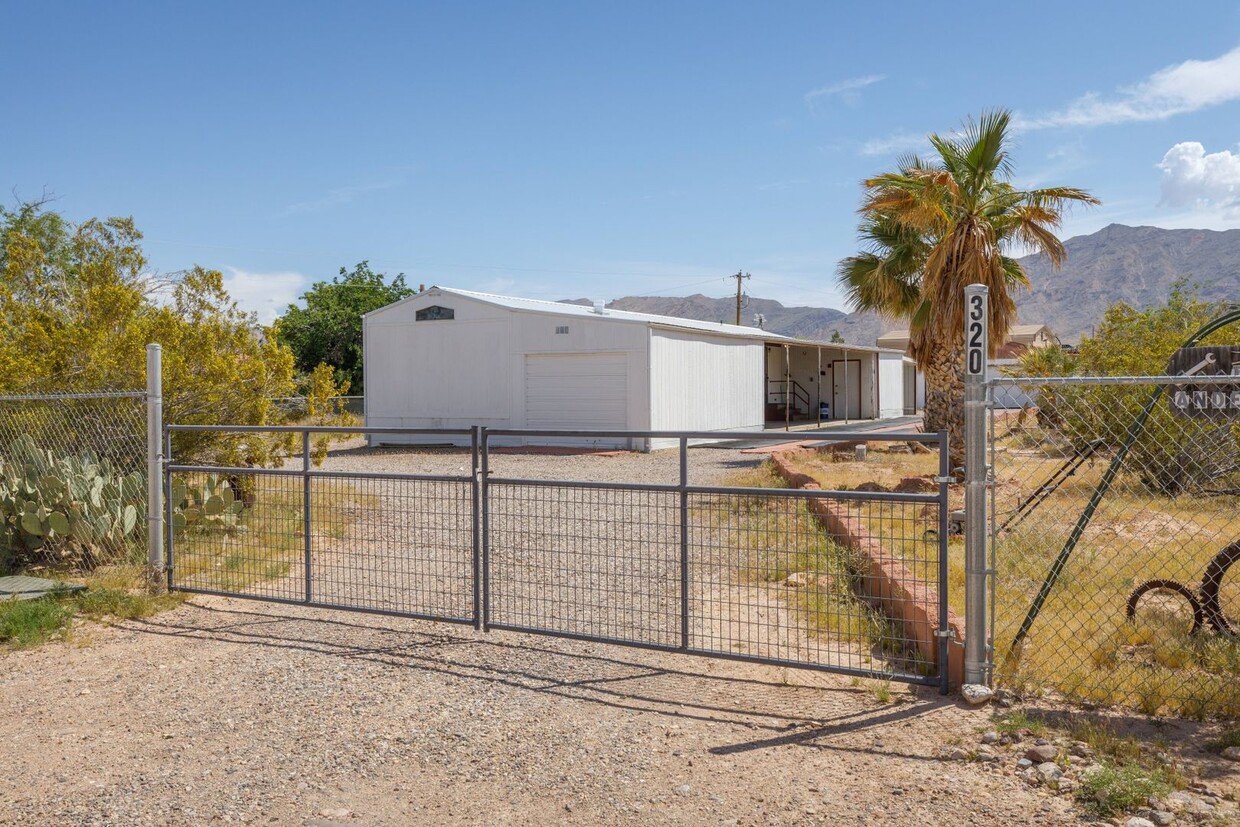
(671, 557)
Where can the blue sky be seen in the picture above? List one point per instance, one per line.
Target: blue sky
(574, 149)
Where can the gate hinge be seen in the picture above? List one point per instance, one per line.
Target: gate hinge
(947, 633)
(942, 480)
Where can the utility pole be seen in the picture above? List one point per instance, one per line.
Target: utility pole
(740, 277)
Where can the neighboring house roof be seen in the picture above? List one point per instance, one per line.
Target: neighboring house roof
(1020, 334)
(584, 311)
(1028, 333)
(897, 339)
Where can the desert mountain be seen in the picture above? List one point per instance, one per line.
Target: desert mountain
(1137, 265)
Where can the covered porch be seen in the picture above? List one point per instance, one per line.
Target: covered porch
(815, 383)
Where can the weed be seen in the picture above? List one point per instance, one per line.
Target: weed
(1019, 722)
(27, 623)
(1230, 738)
(1114, 789)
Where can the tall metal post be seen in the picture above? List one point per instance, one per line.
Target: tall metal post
(154, 462)
(684, 543)
(307, 514)
(977, 351)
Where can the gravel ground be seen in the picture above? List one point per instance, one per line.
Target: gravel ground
(230, 711)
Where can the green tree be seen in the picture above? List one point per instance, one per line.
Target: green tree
(328, 330)
(78, 306)
(935, 226)
(1172, 453)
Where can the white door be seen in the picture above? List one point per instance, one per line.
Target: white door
(576, 391)
(846, 401)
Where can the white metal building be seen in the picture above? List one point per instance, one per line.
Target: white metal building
(447, 358)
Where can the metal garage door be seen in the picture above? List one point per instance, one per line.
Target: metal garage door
(576, 391)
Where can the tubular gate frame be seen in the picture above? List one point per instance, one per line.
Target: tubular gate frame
(480, 480)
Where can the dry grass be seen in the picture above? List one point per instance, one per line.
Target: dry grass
(269, 541)
(1081, 643)
(780, 538)
(118, 592)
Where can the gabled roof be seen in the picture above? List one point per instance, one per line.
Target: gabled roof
(563, 309)
(624, 316)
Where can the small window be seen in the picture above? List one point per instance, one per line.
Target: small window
(434, 313)
(561, 329)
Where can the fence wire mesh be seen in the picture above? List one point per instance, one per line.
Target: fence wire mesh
(72, 480)
(731, 564)
(1114, 528)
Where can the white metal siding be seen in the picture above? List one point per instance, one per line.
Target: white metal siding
(890, 385)
(577, 391)
(704, 384)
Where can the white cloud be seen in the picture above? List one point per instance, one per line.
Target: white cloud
(1174, 90)
(895, 143)
(846, 89)
(265, 294)
(1190, 177)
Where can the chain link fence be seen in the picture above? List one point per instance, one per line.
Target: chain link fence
(1114, 528)
(73, 482)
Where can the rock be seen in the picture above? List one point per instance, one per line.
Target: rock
(985, 754)
(1024, 764)
(915, 485)
(1137, 821)
(871, 487)
(1162, 818)
(1049, 772)
(1180, 800)
(800, 579)
(958, 754)
(1081, 750)
(1041, 753)
(976, 694)
(1231, 753)
(991, 737)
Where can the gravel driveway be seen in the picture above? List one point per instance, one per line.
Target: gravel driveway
(231, 711)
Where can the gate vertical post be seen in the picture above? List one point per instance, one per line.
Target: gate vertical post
(169, 506)
(475, 525)
(977, 351)
(945, 464)
(306, 517)
(484, 494)
(154, 464)
(684, 543)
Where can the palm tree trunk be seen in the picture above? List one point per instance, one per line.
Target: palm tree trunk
(944, 370)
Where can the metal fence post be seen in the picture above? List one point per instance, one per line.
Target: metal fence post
(307, 516)
(684, 543)
(476, 525)
(154, 463)
(977, 351)
(485, 495)
(945, 465)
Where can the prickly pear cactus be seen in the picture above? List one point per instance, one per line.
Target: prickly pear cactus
(211, 505)
(66, 510)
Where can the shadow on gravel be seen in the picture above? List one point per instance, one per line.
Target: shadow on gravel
(805, 716)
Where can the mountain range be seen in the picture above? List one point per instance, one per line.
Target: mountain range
(1137, 265)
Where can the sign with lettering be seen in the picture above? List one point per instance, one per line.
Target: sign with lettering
(976, 318)
(1206, 401)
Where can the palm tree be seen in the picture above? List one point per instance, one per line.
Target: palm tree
(934, 227)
